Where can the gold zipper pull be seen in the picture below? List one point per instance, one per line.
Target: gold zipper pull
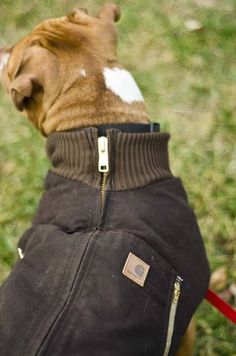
(177, 289)
(176, 292)
(103, 158)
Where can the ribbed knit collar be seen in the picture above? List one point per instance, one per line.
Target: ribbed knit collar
(135, 160)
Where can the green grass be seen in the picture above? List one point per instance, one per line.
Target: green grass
(189, 81)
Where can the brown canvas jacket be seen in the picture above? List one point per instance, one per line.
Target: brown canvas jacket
(94, 241)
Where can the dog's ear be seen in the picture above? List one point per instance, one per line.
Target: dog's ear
(21, 90)
(80, 16)
(22, 86)
(30, 70)
(109, 12)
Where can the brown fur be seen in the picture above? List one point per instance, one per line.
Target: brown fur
(44, 80)
(43, 73)
(187, 343)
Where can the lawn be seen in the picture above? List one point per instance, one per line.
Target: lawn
(182, 54)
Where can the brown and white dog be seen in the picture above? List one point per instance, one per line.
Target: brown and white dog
(65, 74)
(59, 73)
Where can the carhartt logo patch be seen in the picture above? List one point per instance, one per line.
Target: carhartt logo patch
(136, 269)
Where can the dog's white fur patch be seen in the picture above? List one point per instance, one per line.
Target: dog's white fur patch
(121, 83)
(4, 60)
(83, 72)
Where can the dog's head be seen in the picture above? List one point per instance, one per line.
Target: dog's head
(65, 74)
(54, 58)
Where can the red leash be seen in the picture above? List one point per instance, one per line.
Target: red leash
(221, 305)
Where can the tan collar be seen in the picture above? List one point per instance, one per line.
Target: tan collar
(135, 160)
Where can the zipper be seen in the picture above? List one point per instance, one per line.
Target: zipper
(20, 252)
(172, 314)
(103, 165)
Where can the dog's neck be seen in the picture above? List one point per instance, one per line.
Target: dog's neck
(89, 99)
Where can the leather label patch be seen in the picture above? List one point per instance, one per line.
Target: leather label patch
(136, 269)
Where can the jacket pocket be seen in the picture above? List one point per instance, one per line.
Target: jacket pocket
(172, 314)
(127, 305)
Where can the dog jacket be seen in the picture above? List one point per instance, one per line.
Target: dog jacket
(114, 262)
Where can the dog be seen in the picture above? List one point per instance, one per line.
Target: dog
(114, 263)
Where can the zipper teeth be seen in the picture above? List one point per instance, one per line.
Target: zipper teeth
(103, 166)
(103, 186)
(172, 314)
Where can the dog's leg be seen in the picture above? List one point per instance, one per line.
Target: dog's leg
(187, 343)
